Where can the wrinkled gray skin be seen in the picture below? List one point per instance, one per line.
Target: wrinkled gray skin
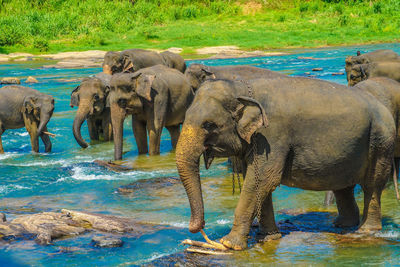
(25, 107)
(135, 59)
(156, 97)
(199, 73)
(320, 136)
(90, 97)
(386, 91)
(374, 56)
(361, 72)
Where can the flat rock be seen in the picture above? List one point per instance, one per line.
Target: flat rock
(31, 79)
(10, 80)
(337, 73)
(148, 184)
(107, 242)
(74, 64)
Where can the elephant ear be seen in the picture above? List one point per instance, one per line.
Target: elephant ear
(127, 65)
(143, 86)
(208, 73)
(75, 97)
(29, 104)
(251, 117)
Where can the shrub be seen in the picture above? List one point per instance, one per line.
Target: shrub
(41, 44)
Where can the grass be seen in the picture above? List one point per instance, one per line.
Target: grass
(44, 26)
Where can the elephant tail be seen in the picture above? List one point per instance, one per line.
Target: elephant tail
(395, 177)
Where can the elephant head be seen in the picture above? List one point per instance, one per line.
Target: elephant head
(197, 74)
(112, 63)
(90, 98)
(129, 91)
(219, 123)
(352, 61)
(358, 73)
(38, 110)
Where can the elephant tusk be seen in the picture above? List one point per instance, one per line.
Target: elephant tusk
(51, 134)
(197, 243)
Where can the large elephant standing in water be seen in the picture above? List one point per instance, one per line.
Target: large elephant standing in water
(132, 60)
(156, 97)
(199, 73)
(320, 136)
(25, 107)
(374, 56)
(91, 97)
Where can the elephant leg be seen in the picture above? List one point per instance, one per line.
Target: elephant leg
(349, 215)
(46, 141)
(154, 139)
(174, 131)
(329, 198)
(93, 131)
(107, 129)
(372, 218)
(139, 131)
(261, 180)
(268, 229)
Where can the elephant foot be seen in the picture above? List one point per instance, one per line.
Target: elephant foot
(370, 228)
(234, 241)
(345, 222)
(268, 236)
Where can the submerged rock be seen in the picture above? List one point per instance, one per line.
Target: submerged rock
(107, 242)
(10, 80)
(153, 183)
(112, 166)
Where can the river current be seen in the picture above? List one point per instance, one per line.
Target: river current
(68, 178)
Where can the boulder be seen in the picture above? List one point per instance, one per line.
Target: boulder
(317, 69)
(10, 80)
(31, 79)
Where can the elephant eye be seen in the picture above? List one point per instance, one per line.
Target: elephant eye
(96, 97)
(209, 126)
(122, 103)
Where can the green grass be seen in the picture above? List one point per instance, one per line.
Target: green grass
(44, 26)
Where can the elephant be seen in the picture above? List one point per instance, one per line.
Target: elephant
(320, 136)
(90, 98)
(361, 72)
(198, 73)
(374, 56)
(157, 96)
(132, 60)
(25, 107)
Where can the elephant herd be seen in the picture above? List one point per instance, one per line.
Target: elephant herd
(300, 132)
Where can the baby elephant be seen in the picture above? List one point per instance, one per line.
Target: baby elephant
(90, 98)
(25, 107)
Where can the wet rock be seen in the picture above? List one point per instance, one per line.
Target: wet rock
(31, 79)
(107, 242)
(3, 217)
(112, 166)
(307, 73)
(145, 184)
(10, 80)
(317, 69)
(74, 64)
(337, 73)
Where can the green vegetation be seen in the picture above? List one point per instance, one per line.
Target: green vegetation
(71, 25)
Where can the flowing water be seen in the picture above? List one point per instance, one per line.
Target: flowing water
(68, 178)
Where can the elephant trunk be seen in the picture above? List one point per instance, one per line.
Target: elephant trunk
(44, 119)
(117, 120)
(188, 151)
(80, 117)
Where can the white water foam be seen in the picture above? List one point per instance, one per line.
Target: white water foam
(389, 234)
(22, 134)
(9, 188)
(224, 221)
(79, 174)
(177, 224)
(8, 155)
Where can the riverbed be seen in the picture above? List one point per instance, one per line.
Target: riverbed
(68, 178)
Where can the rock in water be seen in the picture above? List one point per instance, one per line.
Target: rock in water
(31, 79)
(3, 217)
(148, 184)
(317, 69)
(10, 80)
(107, 242)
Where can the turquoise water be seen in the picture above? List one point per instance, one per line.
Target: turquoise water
(68, 178)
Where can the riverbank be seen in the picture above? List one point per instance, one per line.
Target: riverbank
(39, 27)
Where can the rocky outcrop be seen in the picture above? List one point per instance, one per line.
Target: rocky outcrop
(47, 226)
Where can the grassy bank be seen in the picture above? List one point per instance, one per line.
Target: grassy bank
(39, 26)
